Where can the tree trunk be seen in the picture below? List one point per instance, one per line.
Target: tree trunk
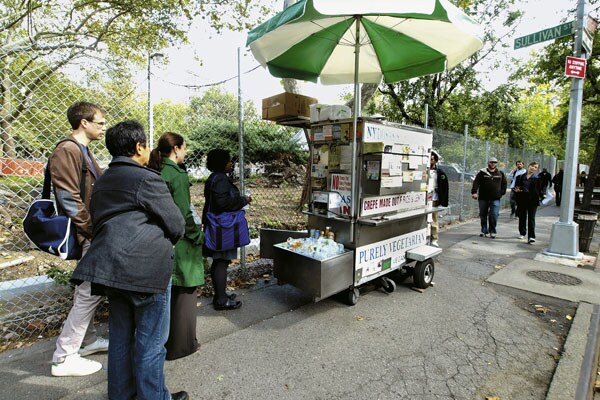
(588, 190)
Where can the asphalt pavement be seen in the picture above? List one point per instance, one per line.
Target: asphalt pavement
(501, 320)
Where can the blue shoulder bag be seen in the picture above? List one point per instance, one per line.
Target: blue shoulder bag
(50, 232)
(225, 231)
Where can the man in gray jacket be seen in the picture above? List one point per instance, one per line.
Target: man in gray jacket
(136, 223)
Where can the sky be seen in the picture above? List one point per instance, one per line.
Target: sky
(219, 61)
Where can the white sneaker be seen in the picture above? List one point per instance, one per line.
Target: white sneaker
(74, 365)
(521, 237)
(435, 243)
(99, 345)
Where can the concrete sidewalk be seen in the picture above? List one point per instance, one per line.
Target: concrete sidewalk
(463, 338)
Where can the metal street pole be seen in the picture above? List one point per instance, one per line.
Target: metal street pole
(151, 58)
(241, 140)
(150, 115)
(462, 177)
(564, 239)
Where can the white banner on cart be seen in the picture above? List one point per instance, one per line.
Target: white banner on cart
(391, 203)
(387, 254)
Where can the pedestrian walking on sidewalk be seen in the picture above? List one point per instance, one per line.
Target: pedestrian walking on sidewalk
(528, 192)
(488, 187)
(439, 195)
(73, 182)
(516, 171)
(130, 259)
(558, 182)
(546, 180)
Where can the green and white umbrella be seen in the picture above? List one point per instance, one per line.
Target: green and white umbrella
(322, 40)
(364, 41)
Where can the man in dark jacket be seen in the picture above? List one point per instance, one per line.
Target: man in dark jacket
(558, 182)
(136, 223)
(489, 186)
(439, 195)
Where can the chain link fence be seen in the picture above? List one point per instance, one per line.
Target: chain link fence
(35, 296)
(462, 155)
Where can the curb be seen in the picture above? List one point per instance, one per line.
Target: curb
(573, 373)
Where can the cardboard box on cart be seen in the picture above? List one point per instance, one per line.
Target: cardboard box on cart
(286, 105)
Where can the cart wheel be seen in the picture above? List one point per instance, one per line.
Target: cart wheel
(387, 284)
(423, 274)
(353, 296)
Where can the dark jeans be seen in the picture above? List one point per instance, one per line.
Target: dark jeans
(488, 213)
(558, 192)
(527, 220)
(513, 203)
(138, 330)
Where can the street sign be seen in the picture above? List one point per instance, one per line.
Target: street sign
(588, 35)
(587, 41)
(555, 32)
(575, 67)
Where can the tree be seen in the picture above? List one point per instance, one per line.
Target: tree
(548, 67)
(405, 101)
(213, 122)
(38, 38)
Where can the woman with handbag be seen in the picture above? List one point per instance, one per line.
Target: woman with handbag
(222, 199)
(188, 267)
(528, 191)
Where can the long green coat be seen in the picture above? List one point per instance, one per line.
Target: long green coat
(188, 269)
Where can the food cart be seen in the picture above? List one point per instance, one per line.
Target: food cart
(390, 230)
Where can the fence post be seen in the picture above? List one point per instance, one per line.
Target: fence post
(462, 177)
(243, 270)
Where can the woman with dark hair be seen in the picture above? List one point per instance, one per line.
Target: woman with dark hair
(528, 190)
(188, 268)
(221, 195)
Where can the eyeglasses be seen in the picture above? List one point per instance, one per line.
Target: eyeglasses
(101, 123)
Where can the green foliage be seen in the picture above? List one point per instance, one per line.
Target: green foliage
(59, 275)
(213, 123)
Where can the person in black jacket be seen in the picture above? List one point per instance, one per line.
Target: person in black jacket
(528, 190)
(221, 195)
(558, 182)
(439, 195)
(488, 187)
(136, 223)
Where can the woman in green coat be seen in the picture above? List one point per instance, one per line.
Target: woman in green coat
(188, 268)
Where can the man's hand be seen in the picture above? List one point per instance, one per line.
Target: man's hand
(474, 195)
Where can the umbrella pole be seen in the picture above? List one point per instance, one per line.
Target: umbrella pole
(354, 186)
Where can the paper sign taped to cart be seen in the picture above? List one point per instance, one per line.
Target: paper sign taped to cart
(387, 254)
(342, 185)
(392, 203)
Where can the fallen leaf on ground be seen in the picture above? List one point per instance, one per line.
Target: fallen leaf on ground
(569, 317)
(492, 398)
(358, 318)
(541, 309)
(220, 378)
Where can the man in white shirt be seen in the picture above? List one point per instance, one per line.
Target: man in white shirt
(519, 169)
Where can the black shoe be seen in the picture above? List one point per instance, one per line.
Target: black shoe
(231, 296)
(180, 396)
(531, 241)
(229, 305)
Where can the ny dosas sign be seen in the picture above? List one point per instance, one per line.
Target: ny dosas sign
(555, 32)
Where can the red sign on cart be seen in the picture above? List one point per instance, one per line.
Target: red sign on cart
(575, 67)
